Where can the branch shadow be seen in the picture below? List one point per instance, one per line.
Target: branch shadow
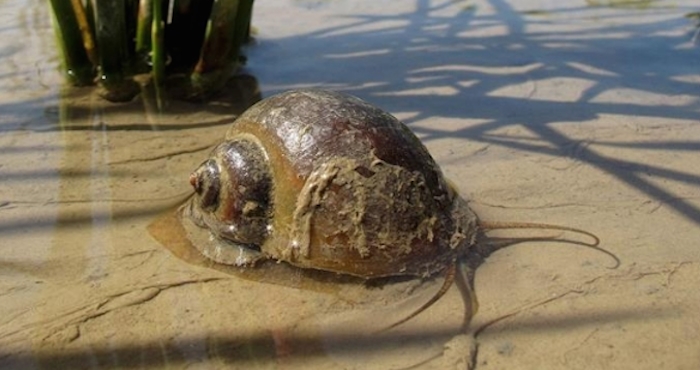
(440, 60)
(259, 348)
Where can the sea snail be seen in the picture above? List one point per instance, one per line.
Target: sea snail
(326, 181)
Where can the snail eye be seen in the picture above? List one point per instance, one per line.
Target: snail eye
(206, 183)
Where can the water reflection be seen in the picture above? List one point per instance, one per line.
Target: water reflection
(79, 186)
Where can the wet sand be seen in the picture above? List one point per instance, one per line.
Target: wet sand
(571, 114)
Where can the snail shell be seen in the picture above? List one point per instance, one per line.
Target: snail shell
(326, 181)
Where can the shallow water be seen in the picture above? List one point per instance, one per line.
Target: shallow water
(538, 111)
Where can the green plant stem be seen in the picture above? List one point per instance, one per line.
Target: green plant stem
(85, 30)
(242, 28)
(158, 53)
(78, 68)
(218, 41)
(111, 38)
(144, 25)
(112, 47)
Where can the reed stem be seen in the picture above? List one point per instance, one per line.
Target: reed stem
(78, 68)
(242, 29)
(158, 54)
(115, 38)
(111, 37)
(218, 40)
(144, 27)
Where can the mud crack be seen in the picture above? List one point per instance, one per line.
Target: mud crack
(66, 326)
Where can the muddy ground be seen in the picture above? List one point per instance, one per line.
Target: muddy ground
(581, 113)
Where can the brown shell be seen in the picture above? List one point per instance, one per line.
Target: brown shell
(354, 190)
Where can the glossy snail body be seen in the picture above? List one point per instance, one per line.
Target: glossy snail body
(327, 181)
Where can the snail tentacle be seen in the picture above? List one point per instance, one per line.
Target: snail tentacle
(447, 283)
(471, 304)
(498, 225)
